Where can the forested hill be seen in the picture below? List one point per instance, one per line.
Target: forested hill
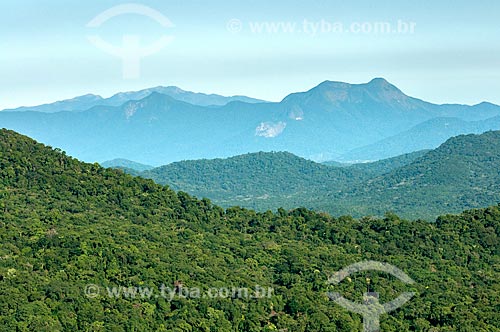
(385, 166)
(279, 177)
(463, 173)
(66, 225)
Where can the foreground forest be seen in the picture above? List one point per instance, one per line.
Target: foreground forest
(66, 224)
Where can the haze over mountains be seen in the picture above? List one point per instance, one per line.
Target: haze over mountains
(85, 102)
(427, 134)
(126, 164)
(332, 121)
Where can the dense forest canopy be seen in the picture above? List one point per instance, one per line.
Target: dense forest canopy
(462, 173)
(66, 224)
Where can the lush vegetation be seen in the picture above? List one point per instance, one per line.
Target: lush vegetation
(462, 173)
(255, 180)
(66, 224)
(385, 166)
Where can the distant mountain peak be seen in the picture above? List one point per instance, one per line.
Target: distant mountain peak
(335, 93)
(157, 95)
(379, 81)
(332, 85)
(153, 102)
(382, 83)
(486, 104)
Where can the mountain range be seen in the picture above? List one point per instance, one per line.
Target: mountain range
(87, 101)
(462, 173)
(332, 121)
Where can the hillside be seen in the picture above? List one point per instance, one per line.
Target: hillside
(381, 166)
(332, 121)
(66, 225)
(257, 180)
(462, 173)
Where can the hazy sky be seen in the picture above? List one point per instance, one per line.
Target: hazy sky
(452, 56)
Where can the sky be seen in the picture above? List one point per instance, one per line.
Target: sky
(263, 49)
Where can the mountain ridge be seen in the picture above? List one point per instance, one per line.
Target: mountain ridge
(321, 124)
(87, 101)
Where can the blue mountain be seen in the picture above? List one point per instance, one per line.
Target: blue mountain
(85, 102)
(332, 121)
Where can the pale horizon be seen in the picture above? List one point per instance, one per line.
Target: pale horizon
(449, 55)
